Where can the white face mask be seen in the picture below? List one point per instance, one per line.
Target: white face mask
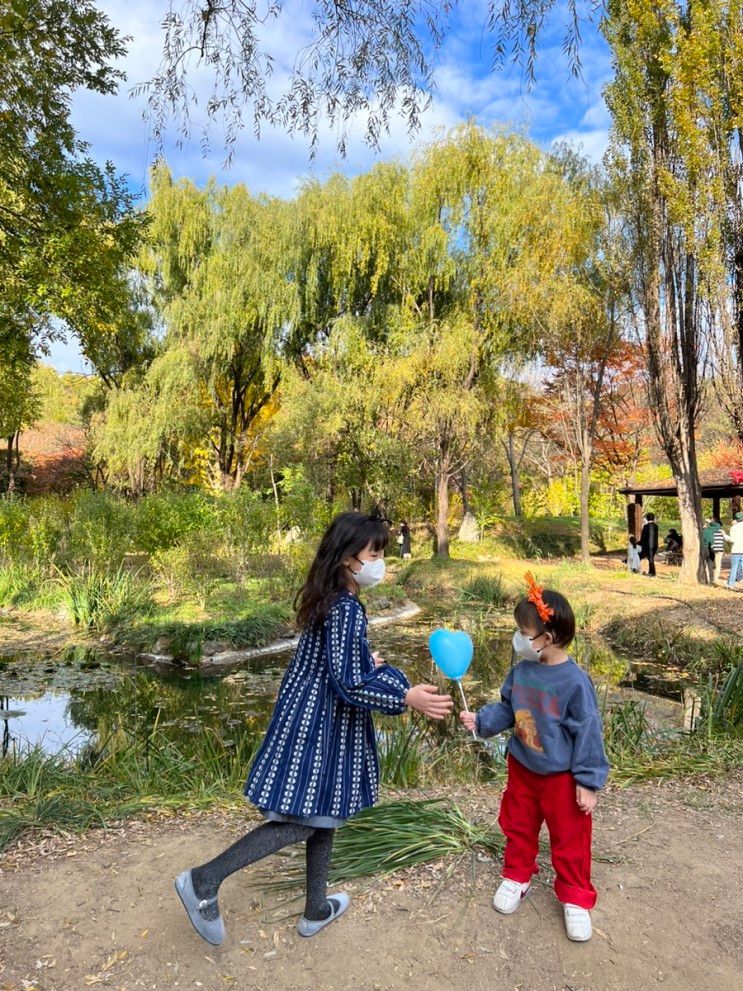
(372, 572)
(522, 646)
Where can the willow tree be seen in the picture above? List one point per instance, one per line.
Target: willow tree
(348, 237)
(586, 319)
(335, 422)
(217, 261)
(661, 62)
(476, 283)
(356, 60)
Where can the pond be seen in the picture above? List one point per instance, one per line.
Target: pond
(83, 699)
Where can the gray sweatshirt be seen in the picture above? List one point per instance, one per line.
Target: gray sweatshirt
(556, 721)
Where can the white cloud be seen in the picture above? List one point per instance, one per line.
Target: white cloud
(593, 143)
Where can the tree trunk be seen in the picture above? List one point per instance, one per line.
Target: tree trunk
(442, 513)
(515, 484)
(9, 464)
(694, 569)
(672, 373)
(585, 490)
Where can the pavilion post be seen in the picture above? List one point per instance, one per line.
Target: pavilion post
(716, 507)
(734, 506)
(634, 515)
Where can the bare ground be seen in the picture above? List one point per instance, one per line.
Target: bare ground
(100, 911)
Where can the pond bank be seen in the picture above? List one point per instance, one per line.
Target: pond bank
(215, 661)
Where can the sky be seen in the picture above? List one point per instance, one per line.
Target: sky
(558, 107)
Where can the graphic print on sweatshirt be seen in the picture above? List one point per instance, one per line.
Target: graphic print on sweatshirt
(525, 728)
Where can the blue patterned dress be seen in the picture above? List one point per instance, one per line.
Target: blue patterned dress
(318, 761)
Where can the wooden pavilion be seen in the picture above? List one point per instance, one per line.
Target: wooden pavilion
(717, 484)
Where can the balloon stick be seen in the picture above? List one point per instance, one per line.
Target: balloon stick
(466, 709)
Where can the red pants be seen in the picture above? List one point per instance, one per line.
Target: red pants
(529, 800)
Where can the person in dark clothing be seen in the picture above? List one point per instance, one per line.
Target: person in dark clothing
(674, 541)
(405, 540)
(649, 541)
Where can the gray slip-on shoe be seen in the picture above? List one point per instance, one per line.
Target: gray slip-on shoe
(210, 930)
(338, 905)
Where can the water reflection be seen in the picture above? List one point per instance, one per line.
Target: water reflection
(84, 702)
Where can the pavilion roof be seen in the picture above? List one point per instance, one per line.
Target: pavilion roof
(720, 482)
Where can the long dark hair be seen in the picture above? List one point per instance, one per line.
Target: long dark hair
(346, 536)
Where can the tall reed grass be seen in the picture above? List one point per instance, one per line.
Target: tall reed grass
(107, 783)
(98, 599)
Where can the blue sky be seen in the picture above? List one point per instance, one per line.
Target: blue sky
(558, 107)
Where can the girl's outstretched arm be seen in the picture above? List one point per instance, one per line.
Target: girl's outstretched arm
(383, 688)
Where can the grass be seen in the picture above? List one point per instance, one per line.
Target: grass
(152, 772)
(689, 755)
(39, 790)
(100, 600)
(263, 623)
(396, 835)
(487, 589)
(727, 710)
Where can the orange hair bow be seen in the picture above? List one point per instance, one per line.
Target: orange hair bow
(534, 594)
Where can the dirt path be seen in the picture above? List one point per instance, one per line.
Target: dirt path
(99, 911)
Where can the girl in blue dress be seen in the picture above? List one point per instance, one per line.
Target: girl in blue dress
(317, 765)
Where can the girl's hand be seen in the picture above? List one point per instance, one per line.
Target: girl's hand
(585, 798)
(469, 721)
(378, 659)
(426, 699)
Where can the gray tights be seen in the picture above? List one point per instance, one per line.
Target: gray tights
(259, 843)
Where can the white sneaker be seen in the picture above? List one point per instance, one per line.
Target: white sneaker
(578, 923)
(509, 895)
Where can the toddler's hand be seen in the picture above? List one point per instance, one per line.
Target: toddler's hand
(585, 798)
(378, 659)
(468, 720)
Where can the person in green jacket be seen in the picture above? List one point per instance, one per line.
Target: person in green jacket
(708, 552)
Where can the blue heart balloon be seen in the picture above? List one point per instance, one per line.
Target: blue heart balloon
(452, 651)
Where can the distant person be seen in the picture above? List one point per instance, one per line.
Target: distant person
(633, 556)
(649, 541)
(736, 551)
(718, 547)
(713, 545)
(405, 541)
(674, 541)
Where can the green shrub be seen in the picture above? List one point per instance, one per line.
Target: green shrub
(47, 525)
(163, 520)
(17, 584)
(14, 530)
(191, 568)
(100, 530)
